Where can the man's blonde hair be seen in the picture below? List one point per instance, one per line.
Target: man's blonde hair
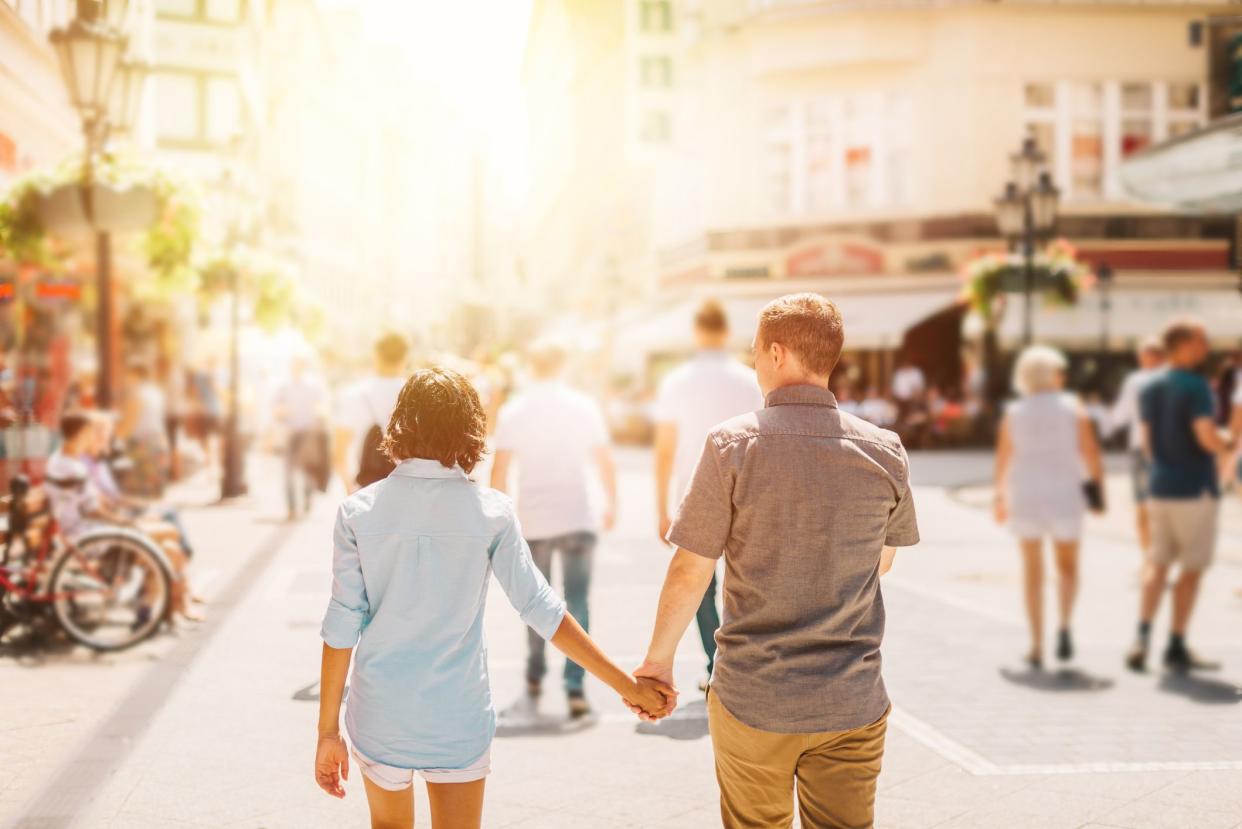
(808, 325)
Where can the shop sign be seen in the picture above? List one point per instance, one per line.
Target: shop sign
(8, 154)
(835, 258)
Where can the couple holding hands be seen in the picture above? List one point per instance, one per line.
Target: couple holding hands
(806, 504)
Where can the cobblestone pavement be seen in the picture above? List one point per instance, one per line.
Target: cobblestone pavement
(216, 726)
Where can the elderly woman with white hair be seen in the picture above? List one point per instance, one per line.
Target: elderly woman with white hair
(1045, 450)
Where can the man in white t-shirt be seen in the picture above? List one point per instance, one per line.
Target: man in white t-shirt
(1125, 414)
(708, 389)
(557, 435)
(364, 406)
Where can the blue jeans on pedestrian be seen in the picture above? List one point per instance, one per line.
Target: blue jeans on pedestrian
(709, 620)
(577, 551)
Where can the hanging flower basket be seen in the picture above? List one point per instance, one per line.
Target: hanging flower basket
(62, 210)
(1058, 277)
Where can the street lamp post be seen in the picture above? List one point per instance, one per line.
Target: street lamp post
(233, 463)
(1104, 273)
(1026, 213)
(104, 87)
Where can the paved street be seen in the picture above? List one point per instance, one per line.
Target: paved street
(215, 727)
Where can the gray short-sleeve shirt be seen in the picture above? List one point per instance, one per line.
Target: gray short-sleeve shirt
(800, 498)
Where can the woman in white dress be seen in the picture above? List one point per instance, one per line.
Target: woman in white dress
(1046, 449)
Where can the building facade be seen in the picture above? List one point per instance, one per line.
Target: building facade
(856, 148)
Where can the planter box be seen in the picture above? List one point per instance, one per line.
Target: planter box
(62, 212)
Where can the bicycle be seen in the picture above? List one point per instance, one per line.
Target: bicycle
(108, 589)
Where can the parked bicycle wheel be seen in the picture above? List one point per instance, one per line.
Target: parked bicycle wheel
(111, 589)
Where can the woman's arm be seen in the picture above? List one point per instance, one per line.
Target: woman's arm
(655, 698)
(332, 755)
(1004, 452)
(1089, 448)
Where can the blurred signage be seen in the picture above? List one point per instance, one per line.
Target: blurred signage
(208, 48)
(835, 259)
(58, 291)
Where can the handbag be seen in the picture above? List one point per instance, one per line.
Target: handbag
(1094, 493)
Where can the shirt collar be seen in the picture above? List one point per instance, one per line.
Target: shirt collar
(801, 395)
(427, 468)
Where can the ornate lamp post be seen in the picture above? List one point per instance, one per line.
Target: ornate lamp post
(104, 87)
(1026, 213)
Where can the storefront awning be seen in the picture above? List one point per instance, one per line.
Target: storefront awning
(1198, 171)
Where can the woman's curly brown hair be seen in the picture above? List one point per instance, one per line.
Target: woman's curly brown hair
(438, 416)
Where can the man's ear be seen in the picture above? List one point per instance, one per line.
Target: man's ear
(779, 355)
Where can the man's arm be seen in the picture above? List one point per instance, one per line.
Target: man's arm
(684, 585)
(886, 559)
(665, 453)
(608, 477)
(500, 469)
(1209, 439)
(342, 439)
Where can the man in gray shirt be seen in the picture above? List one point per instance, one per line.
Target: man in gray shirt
(806, 503)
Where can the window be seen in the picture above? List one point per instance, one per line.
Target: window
(177, 8)
(656, 126)
(656, 72)
(837, 152)
(1087, 129)
(1087, 140)
(655, 16)
(176, 106)
(196, 109)
(223, 11)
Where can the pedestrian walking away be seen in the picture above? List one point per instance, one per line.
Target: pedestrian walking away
(709, 389)
(806, 504)
(557, 436)
(1181, 439)
(1046, 440)
(412, 558)
(363, 409)
(300, 408)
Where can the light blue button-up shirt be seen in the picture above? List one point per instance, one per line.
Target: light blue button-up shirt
(410, 566)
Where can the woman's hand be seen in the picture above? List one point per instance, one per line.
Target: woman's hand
(332, 764)
(651, 699)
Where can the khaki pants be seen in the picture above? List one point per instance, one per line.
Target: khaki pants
(836, 773)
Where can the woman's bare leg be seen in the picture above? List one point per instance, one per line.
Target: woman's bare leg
(1067, 578)
(390, 810)
(1033, 590)
(456, 805)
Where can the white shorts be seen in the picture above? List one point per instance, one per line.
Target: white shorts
(1064, 528)
(394, 779)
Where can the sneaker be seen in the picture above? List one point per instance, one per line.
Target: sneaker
(1136, 657)
(1065, 645)
(1034, 661)
(578, 705)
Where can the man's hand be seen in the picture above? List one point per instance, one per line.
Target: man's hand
(666, 523)
(332, 764)
(651, 699)
(661, 676)
(999, 510)
(609, 519)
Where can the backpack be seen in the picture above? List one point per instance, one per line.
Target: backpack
(373, 464)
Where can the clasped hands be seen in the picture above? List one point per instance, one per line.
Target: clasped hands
(653, 695)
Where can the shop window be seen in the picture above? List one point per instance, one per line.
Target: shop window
(655, 16)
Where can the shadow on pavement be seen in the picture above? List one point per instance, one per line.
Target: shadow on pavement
(688, 722)
(1063, 679)
(524, 719)
(1201, 690)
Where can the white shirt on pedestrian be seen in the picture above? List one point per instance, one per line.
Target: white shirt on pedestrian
(553, 432)
(908, 382)
(365, 404)
(709, 389)
(1125, 413)
(71, 493)
(300, 402)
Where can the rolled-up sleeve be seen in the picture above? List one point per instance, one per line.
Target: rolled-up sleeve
(528, 591)
(348, 608)
(705, 517)
(903, 524)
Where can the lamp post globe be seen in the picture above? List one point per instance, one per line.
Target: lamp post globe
(1010, 211)
(90, 54)
(1045, 198)
(126, 97)
(1026, 164)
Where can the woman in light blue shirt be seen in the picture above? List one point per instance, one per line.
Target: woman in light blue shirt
(411, 559)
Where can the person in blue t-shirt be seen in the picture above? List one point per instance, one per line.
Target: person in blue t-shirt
(1180, 438)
